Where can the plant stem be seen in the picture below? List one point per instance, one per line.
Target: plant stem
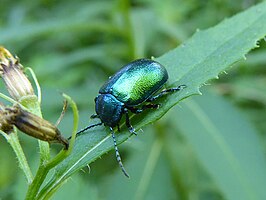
(49, 190)
(45, 166)
(33, 105)
(12, 139)
(42, 172)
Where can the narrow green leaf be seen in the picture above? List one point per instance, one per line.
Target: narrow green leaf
(227, 146)
(60, 23)
(199, 59)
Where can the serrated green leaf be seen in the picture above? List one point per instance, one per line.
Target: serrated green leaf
(199, 59)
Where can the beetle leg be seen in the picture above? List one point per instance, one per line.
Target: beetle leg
(135, 110)
(150, 106)
(94, 116)
(118, 127)
(118, 157)
(144, 107)
(165, 92)
(129, 126)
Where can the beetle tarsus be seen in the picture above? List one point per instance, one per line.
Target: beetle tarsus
(132, 130)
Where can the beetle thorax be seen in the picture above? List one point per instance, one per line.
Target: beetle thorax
(109, 109)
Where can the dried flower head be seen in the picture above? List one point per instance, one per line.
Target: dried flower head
(30, 124)
(13, 76)
(5, 119)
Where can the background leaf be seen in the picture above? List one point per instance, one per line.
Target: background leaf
(226, 145)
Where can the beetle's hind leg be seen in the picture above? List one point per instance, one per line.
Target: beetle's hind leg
(144, 107)
(165, 92)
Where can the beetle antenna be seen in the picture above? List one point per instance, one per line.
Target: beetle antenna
(118, 157)
(87, 128)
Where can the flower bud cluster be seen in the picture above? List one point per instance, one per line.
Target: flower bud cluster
(19, 87)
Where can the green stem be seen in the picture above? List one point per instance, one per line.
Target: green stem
(47, 166)
(12, 139)
(42, 173)
(33, 105)
(49, 190)
(44, 151)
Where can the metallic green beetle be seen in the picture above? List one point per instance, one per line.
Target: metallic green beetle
(129, 90)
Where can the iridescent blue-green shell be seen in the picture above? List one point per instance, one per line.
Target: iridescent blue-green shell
(136, 81)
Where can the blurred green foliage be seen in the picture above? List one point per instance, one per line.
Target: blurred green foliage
(73, 46)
